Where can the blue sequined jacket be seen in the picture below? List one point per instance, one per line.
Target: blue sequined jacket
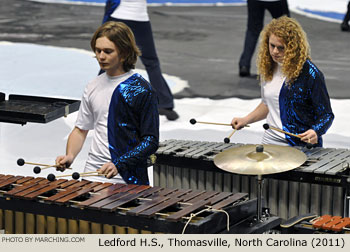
(306, 105)
(133, 128)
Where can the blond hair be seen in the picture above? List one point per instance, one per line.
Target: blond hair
(296, 51)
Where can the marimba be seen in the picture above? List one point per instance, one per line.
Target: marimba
(320, 185)
(36, 205)
(325, 224)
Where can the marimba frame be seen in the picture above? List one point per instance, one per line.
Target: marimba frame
(40, 209)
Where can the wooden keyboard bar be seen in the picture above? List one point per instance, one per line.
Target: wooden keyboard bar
(28, 184)
(335, 220)
(219, 197)
(6, 177)
(130, 197)
(104, 193)
(147, 205)
(20, 188)
(206, 201)
(102, 186)
(62, 194)
(122, 192)
(115, 197)
(155, 199)
(39, 180)
(173, 200)
(229, 201)
(46, 189)
(69, 183)
(192, 195)
(322, 220)
(345, 222)
(73, 195)
(31, 189)
(166, 192)
(187, 210)
(25, 180)
(9, 181)
(180, 193)
(92, 185)
(79, 184)
(203, 196)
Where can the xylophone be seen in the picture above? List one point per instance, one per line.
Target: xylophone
(325, 224)
(36, 205)
(320, 185)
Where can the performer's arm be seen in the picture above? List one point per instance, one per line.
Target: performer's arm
(75, 142)
(146, 107)
(259, 113)
(322, 109)
(322, 106)
(149, 132)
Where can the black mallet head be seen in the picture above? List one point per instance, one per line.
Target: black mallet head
(75, 175)
(51, 177)
(259, 148)
(309, 145)
(20, 161)
(37, 170)
(266, 126)
(226, 140)
(193, 121)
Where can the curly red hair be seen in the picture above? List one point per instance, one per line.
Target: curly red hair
(296, 52)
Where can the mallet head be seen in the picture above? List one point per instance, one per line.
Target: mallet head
(51, 177)
(75, 175)
(37, 170)
(20, 161)
(309, 145)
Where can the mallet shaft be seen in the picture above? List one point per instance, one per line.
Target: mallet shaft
(285, 132)
(49, 166)
(88, 175)
(224, 124)
(232, 133)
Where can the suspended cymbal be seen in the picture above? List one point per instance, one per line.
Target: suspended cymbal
(250, 160)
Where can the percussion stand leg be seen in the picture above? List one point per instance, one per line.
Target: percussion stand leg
(258, 224)
(259, 200)
(347, 202)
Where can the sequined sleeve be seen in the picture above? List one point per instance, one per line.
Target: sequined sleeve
(321, 102)
(133, 128)
(306, 105)
(149, 132)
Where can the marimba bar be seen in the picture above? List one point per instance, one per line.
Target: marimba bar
(36, 205)
(325, 224)
(319, 186)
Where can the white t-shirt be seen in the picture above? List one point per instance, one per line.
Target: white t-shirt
(270, 92)
(93, 114)
(135, 10)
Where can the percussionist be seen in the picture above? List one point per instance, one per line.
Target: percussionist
(294, 96)
(121, 107)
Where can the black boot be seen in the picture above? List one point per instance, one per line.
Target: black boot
(244, 71)
(345, 26)
(170, 114)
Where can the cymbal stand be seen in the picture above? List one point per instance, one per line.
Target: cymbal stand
(259, 223)
(259, 200)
